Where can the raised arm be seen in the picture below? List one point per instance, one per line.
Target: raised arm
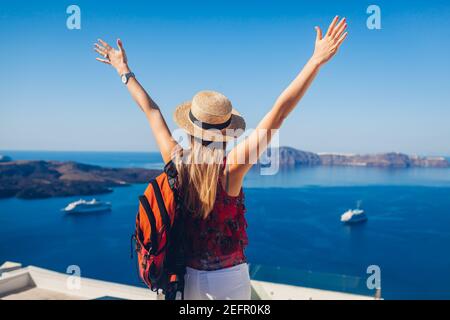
(256, 143)
(118, 59)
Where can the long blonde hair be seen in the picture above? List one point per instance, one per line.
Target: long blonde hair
(199, 169)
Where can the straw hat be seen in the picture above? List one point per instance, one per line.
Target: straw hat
(209, 116)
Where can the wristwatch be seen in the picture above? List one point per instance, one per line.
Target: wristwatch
(126, 76)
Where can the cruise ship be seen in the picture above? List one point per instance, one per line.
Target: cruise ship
(82, 205)
(354, 215)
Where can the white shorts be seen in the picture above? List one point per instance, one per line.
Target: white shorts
(224, 284)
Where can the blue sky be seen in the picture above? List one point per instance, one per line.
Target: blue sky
(386, 90)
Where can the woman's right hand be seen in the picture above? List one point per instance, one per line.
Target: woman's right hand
(327, 46)
(116, 58)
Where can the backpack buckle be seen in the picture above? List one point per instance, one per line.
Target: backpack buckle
(170, 169)
(175, 289)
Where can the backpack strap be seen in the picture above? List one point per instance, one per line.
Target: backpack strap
(176, 261)
(172, 174)
(172, 178)
(151, 218)
(162, 207)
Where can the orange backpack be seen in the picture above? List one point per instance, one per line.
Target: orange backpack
(159, 235)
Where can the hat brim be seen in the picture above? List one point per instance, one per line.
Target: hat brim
(234, 129)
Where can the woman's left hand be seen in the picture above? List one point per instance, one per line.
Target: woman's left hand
(116, 58)
(327, 46)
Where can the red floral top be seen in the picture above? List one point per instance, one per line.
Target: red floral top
(218, 241)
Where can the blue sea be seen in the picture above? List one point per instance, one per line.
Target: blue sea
(294, 229)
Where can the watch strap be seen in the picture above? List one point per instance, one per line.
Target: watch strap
(127, 76)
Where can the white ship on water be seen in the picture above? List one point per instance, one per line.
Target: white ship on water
(354, 215)
(82, 205)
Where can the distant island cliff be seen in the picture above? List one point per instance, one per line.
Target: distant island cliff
(291, 157)
(43, 179)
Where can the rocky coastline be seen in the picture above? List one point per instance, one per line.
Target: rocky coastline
(44, 179)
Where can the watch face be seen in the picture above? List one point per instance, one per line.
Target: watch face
(124, 79)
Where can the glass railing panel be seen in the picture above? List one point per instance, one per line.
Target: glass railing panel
(311, 279)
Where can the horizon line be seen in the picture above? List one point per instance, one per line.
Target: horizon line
(157, 151)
